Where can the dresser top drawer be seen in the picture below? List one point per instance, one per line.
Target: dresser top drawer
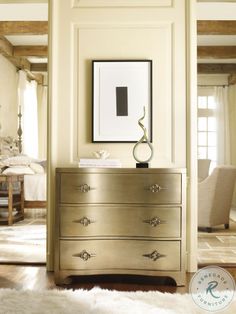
(144, 188)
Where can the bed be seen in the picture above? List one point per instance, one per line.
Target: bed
(34, 172)
(35, 190)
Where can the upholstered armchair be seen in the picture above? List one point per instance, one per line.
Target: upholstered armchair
(215, 197)
(203, 168)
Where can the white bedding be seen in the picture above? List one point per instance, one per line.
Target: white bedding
(35, 187)
(34, 175)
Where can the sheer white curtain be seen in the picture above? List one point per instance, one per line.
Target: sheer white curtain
(42, 120)
(27, 93)
(222, 123)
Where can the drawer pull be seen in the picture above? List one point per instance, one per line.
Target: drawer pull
(84, 255)
(85, 221)
(154, 255)
(154, 222)
(155, 188)
(84, 188)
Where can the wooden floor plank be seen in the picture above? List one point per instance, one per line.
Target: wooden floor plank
(37, 278)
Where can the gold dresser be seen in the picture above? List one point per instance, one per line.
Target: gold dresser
(120, 221)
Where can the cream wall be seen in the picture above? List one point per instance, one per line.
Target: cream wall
(232, 117)
(140, 29)
(155, 33)
(117, 41)
(8, 98)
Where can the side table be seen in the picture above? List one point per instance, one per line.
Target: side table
(11, 199)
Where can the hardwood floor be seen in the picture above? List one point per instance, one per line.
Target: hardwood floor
(37, 278)
(25, 277)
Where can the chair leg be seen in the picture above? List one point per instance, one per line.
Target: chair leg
(226, 226)
(209, 229)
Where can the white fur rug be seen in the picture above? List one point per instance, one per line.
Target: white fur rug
(98, 301)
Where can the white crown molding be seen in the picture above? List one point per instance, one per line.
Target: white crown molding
(121, 3)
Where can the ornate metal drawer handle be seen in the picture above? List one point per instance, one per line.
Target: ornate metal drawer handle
(154, 255)
(155, 188)
(154, 222)
(84, 188)
(85, 221)
(84, 255)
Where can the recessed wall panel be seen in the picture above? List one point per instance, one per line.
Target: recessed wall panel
(114, 43)
(121, 3)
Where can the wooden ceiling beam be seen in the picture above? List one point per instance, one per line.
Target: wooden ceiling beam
(6, 49)
(30, 51)
(39, 67)
(23, 28)
(37, 77)
(216, 52)
(216, 68)
(232, 79)
(216, 27)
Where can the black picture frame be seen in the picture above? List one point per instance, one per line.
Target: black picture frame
(120, 90)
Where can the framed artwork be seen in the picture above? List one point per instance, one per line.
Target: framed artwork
(121, 89)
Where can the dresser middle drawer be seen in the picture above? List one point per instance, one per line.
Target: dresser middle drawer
(118, 221)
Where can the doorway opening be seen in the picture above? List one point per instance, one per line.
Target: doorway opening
(216, 133)
(23, 131)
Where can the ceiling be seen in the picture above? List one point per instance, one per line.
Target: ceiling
(217, 48)
(223, 13)
(24, 34)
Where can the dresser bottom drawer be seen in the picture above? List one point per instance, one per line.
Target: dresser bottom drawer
(120, 254)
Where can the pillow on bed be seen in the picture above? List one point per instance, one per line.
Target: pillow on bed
(43, 163)
(2, 158)
(37, 168)
(18, 170)
(19, 160)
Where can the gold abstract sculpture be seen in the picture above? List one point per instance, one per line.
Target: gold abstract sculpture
(143, 140)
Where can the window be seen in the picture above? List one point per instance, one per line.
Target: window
(207, 136)
(28, 106)
(30, 120)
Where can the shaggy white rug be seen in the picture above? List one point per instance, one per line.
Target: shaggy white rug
(98, 301)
